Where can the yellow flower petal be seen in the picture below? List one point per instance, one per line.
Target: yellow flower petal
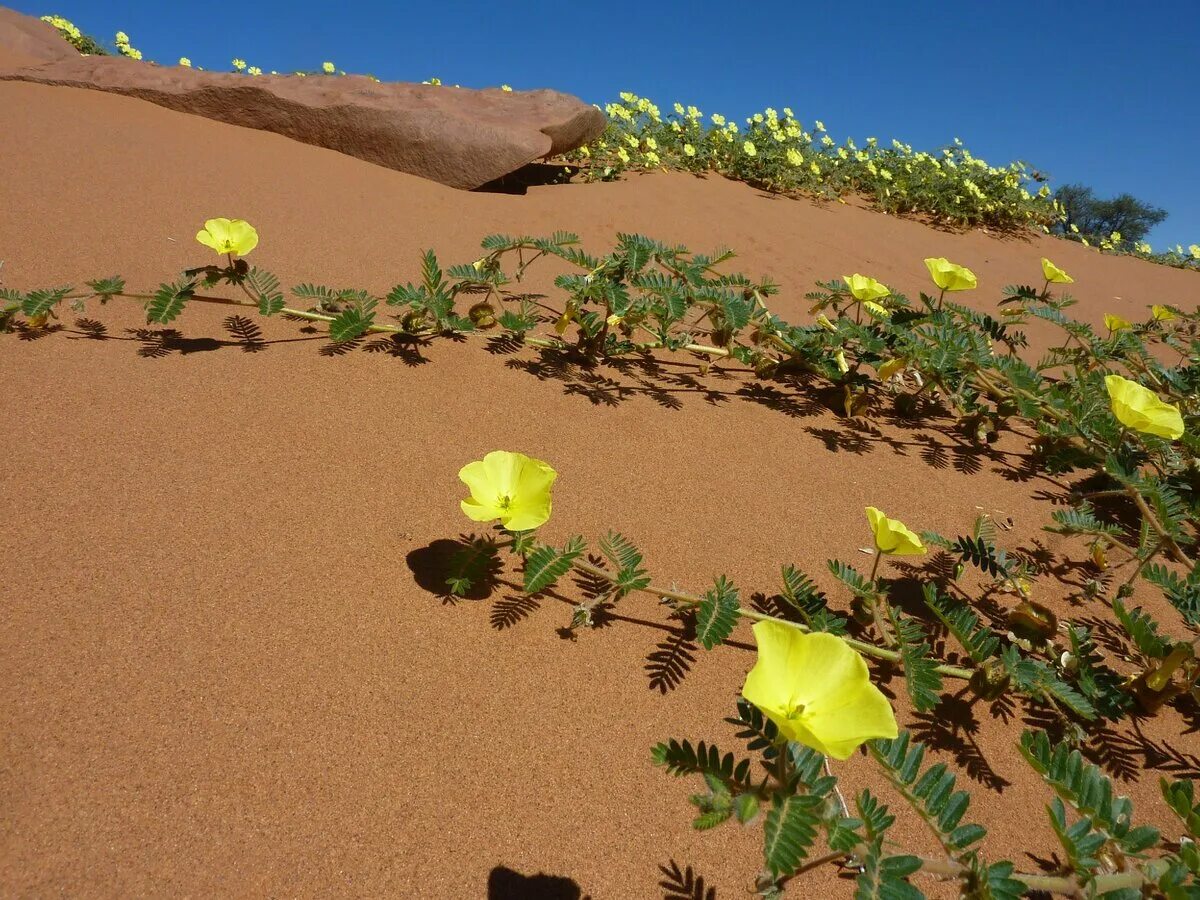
(1141, 409)
(1116, 323)
(892, 536)
(511, 487)
(863, 287)
(950, 277)
(817, 690)
(1054, 274)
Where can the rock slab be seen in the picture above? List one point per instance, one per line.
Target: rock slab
(459, 137)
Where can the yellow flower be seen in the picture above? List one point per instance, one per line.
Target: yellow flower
(1162, 313)
(1074, 228)
(239, 64)
(794, 157)
(1116, 323)
(749, 148)
(185, 62)
(623, 155)
(254, 70)
(689, 150)
(891, 367)
(228, 236)
(1054, 274)
(506, 88)
(817, 690)
(863, 287)
(950, 277)
(614, 320)
(823, 321)
(327, 68)
(892, 536)
(511, 487)
(1140, 409)
(122, 38)
(840, 359)
(1194, 249)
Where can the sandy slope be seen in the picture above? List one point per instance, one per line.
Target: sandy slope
(218, 673)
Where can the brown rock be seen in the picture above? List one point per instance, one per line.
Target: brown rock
(460, 137)
(26, 41)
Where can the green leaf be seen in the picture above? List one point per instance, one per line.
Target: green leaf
(265, 288)
(1037, 679)
(802, 595)
(717, 614)
(789, 832)
(169, 301)
(106, 288)
(353, 321)
(979, 641)
(1142, 629)
(546, 564)
(921, 677)
(38, 303)
(628, 561)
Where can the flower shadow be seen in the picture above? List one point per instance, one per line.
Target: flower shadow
(508, 884)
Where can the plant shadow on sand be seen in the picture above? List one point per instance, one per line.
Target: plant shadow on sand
(954, 726)
(506, 884)
(434, 565)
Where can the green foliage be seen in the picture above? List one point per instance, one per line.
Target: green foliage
(1181, 798)
(546, 564)
(717, 614)
(107, 288)
(1036, 678)
(353, 321)
(930, 792)
(979, 642)
(628, 561)
(1090, 794)
(1098, 219)
(264, 287)
(776, 152)
(803, 596)
(789, 831)
(168, 301)
(39, 303)
(921, 677)
(1142, 630)
(1182, 592)
(682, 758)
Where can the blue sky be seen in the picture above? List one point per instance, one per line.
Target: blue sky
(1100, 92)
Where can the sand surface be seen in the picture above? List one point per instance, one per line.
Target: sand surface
(222, 670)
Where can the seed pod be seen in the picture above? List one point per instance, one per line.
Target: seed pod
(1033, 622)
(413, 321)
(990, 680)
(860, 609)
(765, 367)
(483, 315)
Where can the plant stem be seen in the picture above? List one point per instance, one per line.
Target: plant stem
(683, 600)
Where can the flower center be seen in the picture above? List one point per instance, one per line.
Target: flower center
(505, 502)
(793, 711)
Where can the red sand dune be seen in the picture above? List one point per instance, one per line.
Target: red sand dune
(218, 675)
